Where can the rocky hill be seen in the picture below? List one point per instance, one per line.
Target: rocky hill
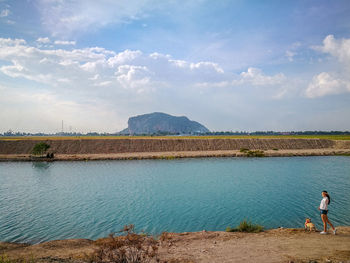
(158, 122)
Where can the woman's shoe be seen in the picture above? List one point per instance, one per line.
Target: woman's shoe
(335, 231)
(323, 233)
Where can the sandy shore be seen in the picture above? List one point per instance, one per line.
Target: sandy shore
(177, 154)
(276, 245)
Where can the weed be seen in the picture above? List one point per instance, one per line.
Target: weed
(246, 226)
(256, 153)
(127, 248)
(5, 259)
(342, 154)
(243, 150)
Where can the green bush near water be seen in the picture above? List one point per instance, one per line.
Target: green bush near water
(246, 226)
(342, 154)
(40, 148)
(252, 153)
(256, 153)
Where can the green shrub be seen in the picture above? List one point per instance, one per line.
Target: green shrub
(243, 150)
(342, 154)
(275, 149)
(246, 226)
(40, 148)
(256, 153)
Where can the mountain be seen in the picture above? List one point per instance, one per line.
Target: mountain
(158, 122)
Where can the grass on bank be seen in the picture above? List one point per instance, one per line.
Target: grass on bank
(328, 137)
(246, 226)
(5, 259)
(252, 153)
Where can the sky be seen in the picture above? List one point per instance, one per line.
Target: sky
(239, 65)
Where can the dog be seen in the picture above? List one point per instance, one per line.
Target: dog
(309, 226)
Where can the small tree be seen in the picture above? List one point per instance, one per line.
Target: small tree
(40, 148)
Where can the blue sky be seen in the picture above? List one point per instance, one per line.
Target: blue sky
(231, 65)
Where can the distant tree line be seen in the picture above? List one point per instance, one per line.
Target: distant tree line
(279, 133)
(160, 133)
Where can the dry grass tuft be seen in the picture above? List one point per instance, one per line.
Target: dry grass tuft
(127, 248)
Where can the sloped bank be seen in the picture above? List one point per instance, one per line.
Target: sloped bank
(136, 148)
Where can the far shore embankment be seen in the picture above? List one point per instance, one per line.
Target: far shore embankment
(167, 148)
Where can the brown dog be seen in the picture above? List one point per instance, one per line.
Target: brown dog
(309, 226)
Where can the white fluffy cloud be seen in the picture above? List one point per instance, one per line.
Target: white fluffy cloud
(256, 77)
(43, 40)
(101, 80)
(325, 84)
(339, 48)
(91, 67)
(64, 42)
(328, 83)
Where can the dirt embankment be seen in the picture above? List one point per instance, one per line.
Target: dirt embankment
(101, 146)
(276, 245)
(159, 148)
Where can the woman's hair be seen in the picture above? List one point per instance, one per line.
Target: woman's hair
(329, 198)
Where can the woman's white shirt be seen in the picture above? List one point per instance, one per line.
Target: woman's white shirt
(324, 203)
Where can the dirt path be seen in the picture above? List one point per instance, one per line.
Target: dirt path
(171, 155)
(277, 245)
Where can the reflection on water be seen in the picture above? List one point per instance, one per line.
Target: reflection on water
(41, 165)
(43, 201)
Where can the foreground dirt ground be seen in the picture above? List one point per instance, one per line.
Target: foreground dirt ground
(277, 245)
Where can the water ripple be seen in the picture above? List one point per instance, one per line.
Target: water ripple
(91, 200)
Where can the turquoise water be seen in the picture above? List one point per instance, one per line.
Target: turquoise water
(47, 201)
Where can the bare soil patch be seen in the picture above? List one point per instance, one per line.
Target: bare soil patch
(276, 245)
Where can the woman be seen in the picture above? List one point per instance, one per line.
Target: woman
(326, 200)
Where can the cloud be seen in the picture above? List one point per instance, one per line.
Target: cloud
(290, 55)
(337, 82)
(326, 84)
(256, 77)
(128, 69)
(8, 42)
(43, 40)
(338, 48)
(251, 77)
(5, 13)
(61, 42)
(65, 18)
(122, 83)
